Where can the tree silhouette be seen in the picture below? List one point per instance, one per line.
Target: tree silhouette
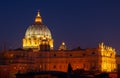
(70, 68)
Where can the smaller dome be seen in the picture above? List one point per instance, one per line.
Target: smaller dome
(62, 46)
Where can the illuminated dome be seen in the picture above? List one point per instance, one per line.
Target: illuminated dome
(38, 31)
(38, 36)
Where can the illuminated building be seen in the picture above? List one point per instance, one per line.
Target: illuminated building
(108, 58)
(38, 36)
(38, 55)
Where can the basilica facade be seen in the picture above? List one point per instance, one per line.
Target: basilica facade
(38, 55)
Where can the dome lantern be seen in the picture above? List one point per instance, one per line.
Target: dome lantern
(38, 18)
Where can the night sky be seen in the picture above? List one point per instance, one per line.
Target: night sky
(83, 23)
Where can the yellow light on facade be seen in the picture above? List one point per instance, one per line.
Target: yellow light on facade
(107, 64)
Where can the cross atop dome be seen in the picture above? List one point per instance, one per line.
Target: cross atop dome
(38, 18)
(38, 14)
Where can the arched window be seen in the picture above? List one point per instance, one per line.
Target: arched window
(84, 54)
(54, 66)
(70, 54)
(93, 53)
(54, 54)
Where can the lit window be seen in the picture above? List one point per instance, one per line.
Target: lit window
(15, 68)
(40, 66)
